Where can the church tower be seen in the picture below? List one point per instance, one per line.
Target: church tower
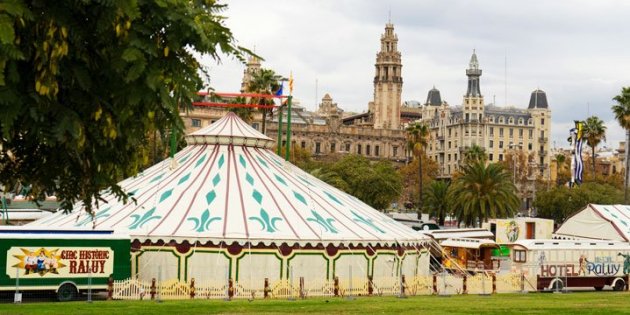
(385, 109)
(253, 66)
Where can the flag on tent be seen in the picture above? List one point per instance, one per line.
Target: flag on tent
(577, 133)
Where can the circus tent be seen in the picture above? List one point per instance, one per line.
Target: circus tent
(227, 196)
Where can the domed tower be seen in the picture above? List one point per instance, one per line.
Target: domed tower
(388, 82)
(434, 98)
(541, 119)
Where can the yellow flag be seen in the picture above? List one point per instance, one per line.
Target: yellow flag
(291, 84)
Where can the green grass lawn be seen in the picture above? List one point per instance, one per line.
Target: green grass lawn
(532, 303)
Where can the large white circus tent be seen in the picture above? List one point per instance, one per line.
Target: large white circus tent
(227, 196)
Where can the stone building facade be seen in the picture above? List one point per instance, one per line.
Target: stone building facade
(499, 130)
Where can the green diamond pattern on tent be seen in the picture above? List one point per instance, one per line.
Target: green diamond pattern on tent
(262, 162)
(210, 196)
(365, 221)
(216, 180)
(268, 223)
(325, 223)
(156, 178)
(242, 161)
(98, 214)
(221, 160)
(203, 158)
(182, 160)
(166, 194)
(249, 179)
(183, 179)
(140, 220)
(202, 224)
(333, 198)
(299, 197)
(257, 196)
(280, 180)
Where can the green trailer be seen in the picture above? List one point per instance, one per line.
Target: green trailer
(66, 262)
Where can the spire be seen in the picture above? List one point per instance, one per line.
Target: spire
(473, 72)
(474, 63)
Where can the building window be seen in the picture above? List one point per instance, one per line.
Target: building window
(347, 147)
(542, 133)
(491, 144)
(511, 120)
(511, 132)
(542, 121)
(449, 144)
(395, 151)
(376, 150)
(358, 149)
(500, 132)
(367, 149)
(500, 157)
(529, 146)
(520, 121)
(448, 158)
(255, 126)
(501, 120)
(531, 134)
(303, 144)
(520, 133)
(196, 122)
(449, 132)
(500, 144)
(467, 117)
(455, 157)
(490, 156)
(317, 148)
(333, 147)
(520, 256)
(492, 131)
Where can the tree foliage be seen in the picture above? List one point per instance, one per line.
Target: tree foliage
(84, 83)
(417, 140)
(474, 154)
(264, 81)
(375, 183)
(595, 133)
(482, 192)
(436, 200)
(561, 202)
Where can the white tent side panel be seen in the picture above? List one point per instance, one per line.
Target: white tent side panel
(588, 223)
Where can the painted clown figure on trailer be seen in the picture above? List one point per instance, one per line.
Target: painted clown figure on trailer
(227, 207)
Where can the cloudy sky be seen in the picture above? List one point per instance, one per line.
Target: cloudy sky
(576, 51)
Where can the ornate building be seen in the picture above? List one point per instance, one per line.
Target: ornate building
(499, 130)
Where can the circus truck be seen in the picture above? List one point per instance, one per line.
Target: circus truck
(66, 262)
(559, 264)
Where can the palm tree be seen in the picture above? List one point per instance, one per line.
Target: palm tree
(435, 197)
(482, 192)
(475, 153)
(264, 81)
(417, 139)
(595, 132)
(622, 114)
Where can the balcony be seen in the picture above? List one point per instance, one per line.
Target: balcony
(542, 139)
(542, 153)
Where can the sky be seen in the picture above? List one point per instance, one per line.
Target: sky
(577, 51)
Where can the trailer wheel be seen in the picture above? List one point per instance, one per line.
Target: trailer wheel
(619, 285)
(557, 285)
(67, 292)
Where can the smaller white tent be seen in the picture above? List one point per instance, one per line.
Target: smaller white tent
(602, 222)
